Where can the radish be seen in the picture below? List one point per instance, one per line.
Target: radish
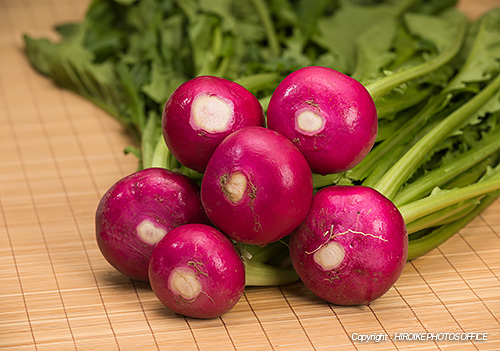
(329, 116)
(257, 186)
(138, 210)
(196, 271)
(201, 112)
(352, 246)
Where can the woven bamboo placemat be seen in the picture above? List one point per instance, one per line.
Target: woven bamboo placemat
(59, 154)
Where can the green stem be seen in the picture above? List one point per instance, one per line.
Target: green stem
(439, 176)
(132, 98)
(223, 67)
(382, 165)
(435, 103)
(436, 202)
(262, 254)
(320, 181)
(432, 240)
(282, 260)
(188, 172)
(260, 274)
(382, 86)
(272, 39)
(172, 162)
(160, 154)
(468, 177)
(388, 145)
(148, 142)
(209, 66)
(444, 216)
(259, 81)
(265, 102)
(387, 128)
(387, 107)
(395, 177)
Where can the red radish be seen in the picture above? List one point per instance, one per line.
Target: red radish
(352, 246)
(196, 271)
(138, 210)
(329, 116)
(257, 186)
(201, 112)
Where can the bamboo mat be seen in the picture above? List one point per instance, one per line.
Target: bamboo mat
(59, 154)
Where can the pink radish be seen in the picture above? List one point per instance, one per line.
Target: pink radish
(201, 112)
(329, 116)
(139, 210)
(196, 271)
(352, 246)
(257, 186)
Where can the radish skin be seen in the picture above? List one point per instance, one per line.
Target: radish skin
(138, 211)
(329, 116)
(197, 272)
(352, 246)
(201, 112)
(257, 186)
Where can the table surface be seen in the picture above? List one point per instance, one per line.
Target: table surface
(60, 154)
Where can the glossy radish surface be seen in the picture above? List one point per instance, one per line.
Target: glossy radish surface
(197, 272)
(139, 210)
(257, 186)
(329, 116)
(201, 112)
(352, 246)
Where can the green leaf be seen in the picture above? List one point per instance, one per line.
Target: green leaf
(451, 25)
(39, 53)
(125, 2)
(434, 30)
(221, 8)
(399, 173)
(67, 30)
(307, 16)
(163, 82)
(482, 59)
(374, 50)
(150, 135)
(338, 33)
(450, 167)
(134, 104)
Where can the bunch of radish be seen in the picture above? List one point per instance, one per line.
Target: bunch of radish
(200, 244)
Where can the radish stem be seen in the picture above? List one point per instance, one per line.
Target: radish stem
(260, 274)
(439, 176)
(433, 203)
(432, 240)
(382, 86)
(272, 39)
(392, 180)
(444, 216)
(160, 154)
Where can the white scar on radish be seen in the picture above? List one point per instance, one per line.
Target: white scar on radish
(308, 122)
(185, 282)
(150, 233)
(234, 187)
(330, 254)
(211, 113)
